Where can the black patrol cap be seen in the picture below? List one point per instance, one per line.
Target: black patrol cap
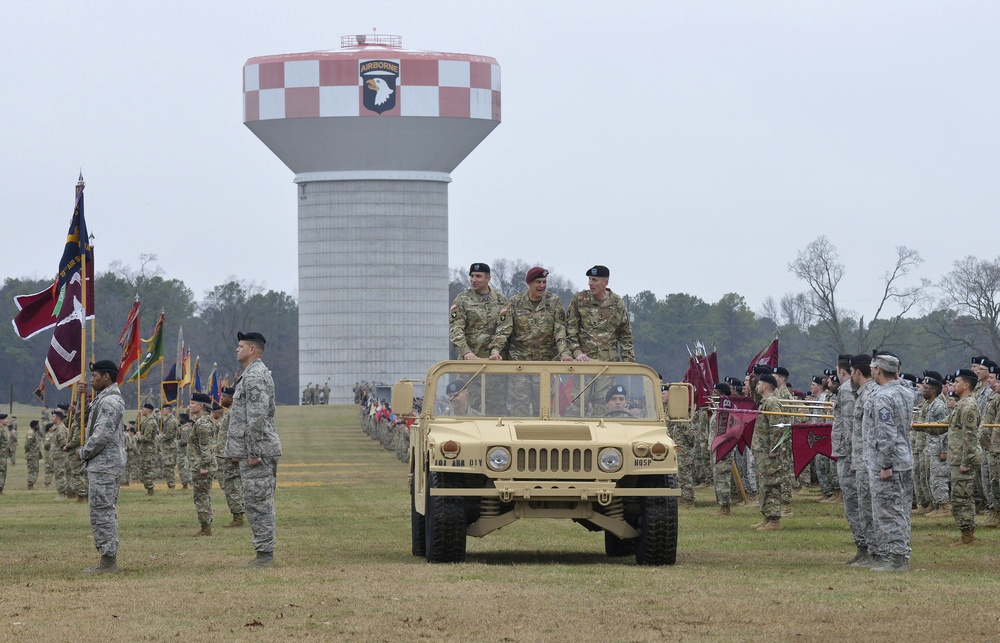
(251, 337)
(818, 379)
(723, 388)
(936, 383)
(732, 381)
(149, 406)
(599, 271)
(762, 369)
(950, 377)
(105, 366)
(829, 371)
(781, 370)
(835, 379)
(618, 389)
(229, 390)
(479, 267)
(909, 377)
(993, 367)
(861, 359)
(201, 398)
(454, 387)
(59, 413)
(3, 416)
(934, 375)
(981, 360)
(769, 379)
(33, 424)
(64, 406)
(216, 407)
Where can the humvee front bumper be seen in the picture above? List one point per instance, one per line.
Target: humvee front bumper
(602, 492)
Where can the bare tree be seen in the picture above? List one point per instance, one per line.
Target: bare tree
(769, 309)
(795, 311)
(819, 266)
(972, 288)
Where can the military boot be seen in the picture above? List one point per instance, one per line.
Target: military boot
(968, 538)
(866, 560)
(895, 563)
(31, 487)
(861, 555)
(263, 559)
(771, 525)
(925, 509)
(758, 525)
(107, 565)
(238, 521)
(206, 530)
(81, 499)
(943, 511)
(992, 521)
(149, 492)
(786, 511)
(724, 510)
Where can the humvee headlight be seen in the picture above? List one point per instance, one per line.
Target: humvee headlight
(498, 458)
(609, 459)
(450, 449)
(658, 451)
(640, 449)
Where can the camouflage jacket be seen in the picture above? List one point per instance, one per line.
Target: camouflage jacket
(251, 422)
(221, 430)
(4, 441)
(862, 399)
(963, 444)
(599, 329)
(104, 451)
(843, 420)
(73, 440)
(766, 431)
(60, 438)
(887, 445)
(201, 444)
(148, 429)
(529, 332)
(168, 435)
(33, 444)
(473, 321)
(989, 417)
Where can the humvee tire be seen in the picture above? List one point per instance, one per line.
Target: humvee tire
(444, 525)
(616, 547)
(418, 534)
(657, 542)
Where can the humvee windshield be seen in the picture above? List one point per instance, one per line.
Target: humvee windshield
(564, 395)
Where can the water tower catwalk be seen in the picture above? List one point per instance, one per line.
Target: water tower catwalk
(372, 133)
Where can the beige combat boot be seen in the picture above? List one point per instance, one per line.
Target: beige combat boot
(991, 521)
(206, 530)
(238, 521)
(771, 525)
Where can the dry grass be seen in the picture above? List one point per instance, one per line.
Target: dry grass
(345, 572)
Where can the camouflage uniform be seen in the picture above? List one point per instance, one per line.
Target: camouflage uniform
(841, 438)
(47, 447)
(200, 448)
(921, 474)
(992, 467)
(983, 494)
(228, 473)
(828, 482)
(939, 472)
(12, 447)
(168, 447)
(32, 454)
(683, 435)
(252, 433)
(530, 331)
(4, 445)
(887, 446)
(599, 329)
(472, 324)
(131, 459)
(964, 450)
(722, 471)
(60, 438)
(76, 470)
(183, 458)
(788, 481)
(104, 455)
(860, 427)
(766, 434)
(147, 449)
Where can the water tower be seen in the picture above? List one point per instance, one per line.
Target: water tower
(372, 133)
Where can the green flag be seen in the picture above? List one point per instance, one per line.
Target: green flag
(154, 351)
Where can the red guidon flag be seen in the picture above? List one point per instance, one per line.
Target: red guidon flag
(768, 356)
(130, 342)
(703, 375)
(734, 425)
(809, 441)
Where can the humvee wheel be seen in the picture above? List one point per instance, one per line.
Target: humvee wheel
(616, 547)
(444, 524)
(418, 544)
(657, 542)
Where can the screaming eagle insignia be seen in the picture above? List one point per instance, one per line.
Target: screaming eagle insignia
(379, 87)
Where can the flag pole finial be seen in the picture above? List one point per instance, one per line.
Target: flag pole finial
(79, 181)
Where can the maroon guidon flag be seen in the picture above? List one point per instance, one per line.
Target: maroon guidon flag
(768, 356)
(809, 441)
(735, 420)
(703, 375)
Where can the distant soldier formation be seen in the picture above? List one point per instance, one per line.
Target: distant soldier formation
(314, 394)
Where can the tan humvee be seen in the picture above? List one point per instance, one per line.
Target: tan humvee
(497, 441)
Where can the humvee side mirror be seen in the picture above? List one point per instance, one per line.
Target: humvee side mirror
(402, 398)
(679, 398)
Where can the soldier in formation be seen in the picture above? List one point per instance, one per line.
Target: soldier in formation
(47, 448)
(104, 455)
(201, 452)
(228, 472)
(60, 440)
(168, 444)
(147, 440)
(131, 455)
(254, 443)
(12, 442)
(76, 471)
(33, 452)
(4, 438)
(184, 463)
(767, 453)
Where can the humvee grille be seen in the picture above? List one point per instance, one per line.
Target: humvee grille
(555, 460)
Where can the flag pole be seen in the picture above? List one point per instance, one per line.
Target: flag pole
(83, 322)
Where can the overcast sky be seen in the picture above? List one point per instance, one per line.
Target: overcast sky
(689, 146)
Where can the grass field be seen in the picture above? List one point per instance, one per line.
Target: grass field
(344, 570)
